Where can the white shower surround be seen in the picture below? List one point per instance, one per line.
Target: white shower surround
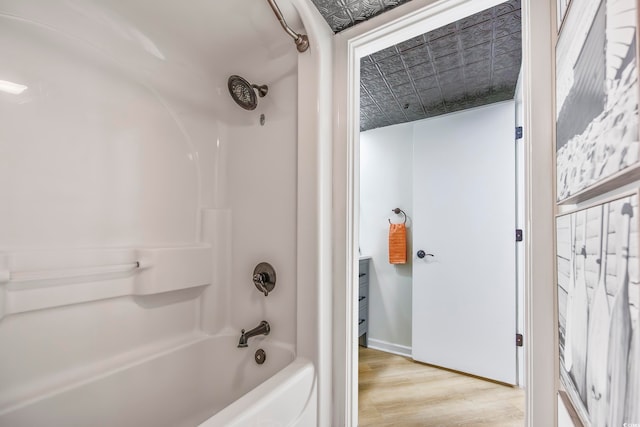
(126, 148)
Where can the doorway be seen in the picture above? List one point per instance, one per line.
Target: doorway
(372, 37)
(437, 156)
(461, 312)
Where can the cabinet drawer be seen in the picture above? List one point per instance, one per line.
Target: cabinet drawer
(362, 326)
(363, 291)
(363, 297)
(363, 308)
(363, 272)
(363, 301)
(363, 280)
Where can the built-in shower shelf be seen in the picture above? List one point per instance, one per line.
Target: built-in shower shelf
(44, 279)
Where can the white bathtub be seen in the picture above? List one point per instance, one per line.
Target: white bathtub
(286, 399)
(194, 384)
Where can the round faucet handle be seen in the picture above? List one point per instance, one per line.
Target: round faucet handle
(264, 278)
(261, 278)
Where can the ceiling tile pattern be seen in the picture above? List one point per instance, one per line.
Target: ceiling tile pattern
(341, 14)
(469, 63)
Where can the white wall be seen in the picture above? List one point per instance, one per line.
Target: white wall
(386, 177)
(94, 167)
(263, 202)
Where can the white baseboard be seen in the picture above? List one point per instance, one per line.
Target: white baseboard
(401, 350)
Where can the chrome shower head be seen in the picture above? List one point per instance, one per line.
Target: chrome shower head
(243, 92)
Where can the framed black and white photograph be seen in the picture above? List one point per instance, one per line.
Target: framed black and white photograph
(561, 11)
(596, 95)
(598, 296)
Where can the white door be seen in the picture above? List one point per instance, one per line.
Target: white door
(464, 288)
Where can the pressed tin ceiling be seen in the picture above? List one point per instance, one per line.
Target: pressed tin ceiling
(341, 14)
(472, 62)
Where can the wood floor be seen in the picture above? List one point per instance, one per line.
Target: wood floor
(396, 391)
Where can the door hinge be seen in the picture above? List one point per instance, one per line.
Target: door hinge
(519, 340)
(519, 235)
(519, 132)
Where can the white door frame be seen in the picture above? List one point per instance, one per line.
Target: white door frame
(411, 19)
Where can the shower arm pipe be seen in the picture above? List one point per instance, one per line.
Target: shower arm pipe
(301, 40)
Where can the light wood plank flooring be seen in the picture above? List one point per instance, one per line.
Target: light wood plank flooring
(396, 391)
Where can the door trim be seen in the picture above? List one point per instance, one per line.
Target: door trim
(408, 20)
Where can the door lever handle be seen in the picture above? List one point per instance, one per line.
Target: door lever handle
(421, 254)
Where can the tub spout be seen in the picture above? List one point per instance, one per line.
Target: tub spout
(262, 329)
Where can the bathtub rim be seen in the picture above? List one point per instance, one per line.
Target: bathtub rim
(260, 396)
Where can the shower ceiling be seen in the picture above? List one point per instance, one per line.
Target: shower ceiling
(472, 62)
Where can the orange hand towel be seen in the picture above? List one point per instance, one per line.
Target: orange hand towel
(397, 244)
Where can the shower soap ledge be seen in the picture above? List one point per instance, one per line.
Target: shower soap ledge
(64, 277)
(172, 269)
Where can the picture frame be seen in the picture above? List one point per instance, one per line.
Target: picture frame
(562, 6)
(596, 98)
(573, 415)
(598, 298)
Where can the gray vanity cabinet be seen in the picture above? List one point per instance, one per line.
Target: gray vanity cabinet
(363, 300)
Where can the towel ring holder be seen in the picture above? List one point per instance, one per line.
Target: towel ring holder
(399, 211)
